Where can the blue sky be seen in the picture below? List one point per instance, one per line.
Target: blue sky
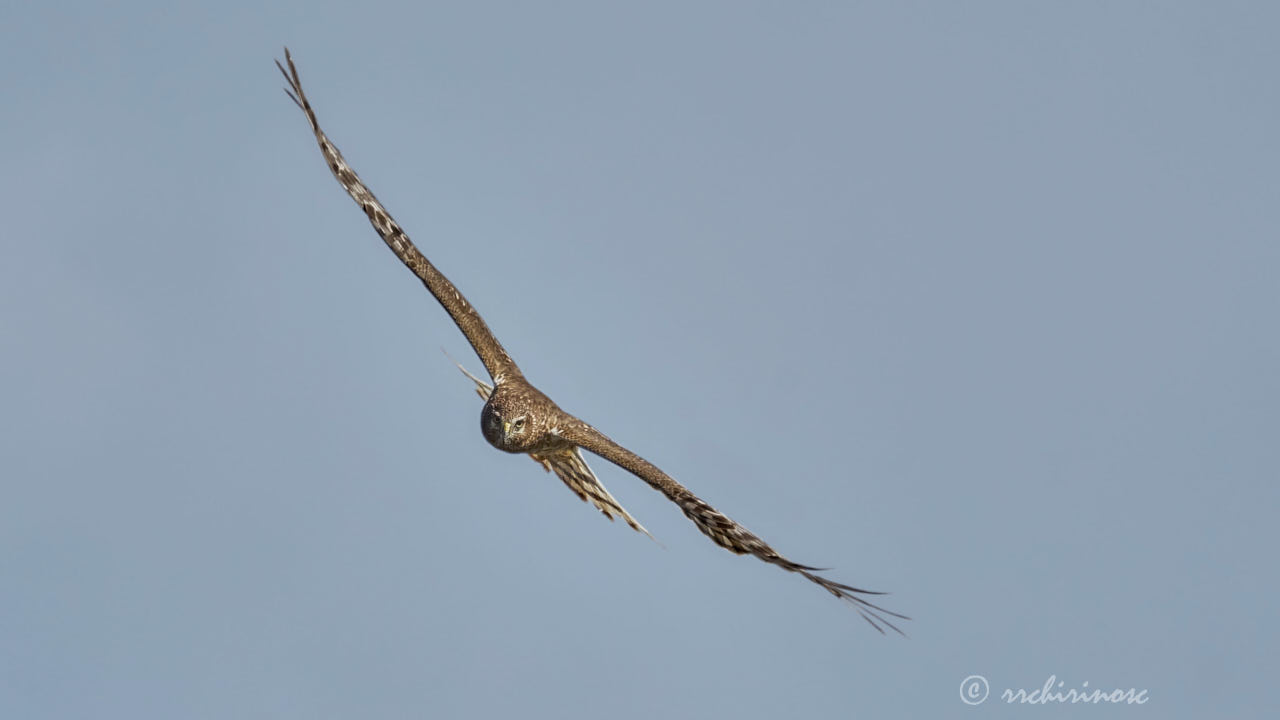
(975, 303)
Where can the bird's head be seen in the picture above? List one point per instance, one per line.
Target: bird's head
(511, 423)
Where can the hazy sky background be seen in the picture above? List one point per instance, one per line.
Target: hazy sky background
(972, 302)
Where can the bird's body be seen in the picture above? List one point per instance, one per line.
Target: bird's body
(519, 418)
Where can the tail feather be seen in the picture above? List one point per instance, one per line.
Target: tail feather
(574, 472)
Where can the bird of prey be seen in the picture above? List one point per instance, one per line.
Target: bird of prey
(518, 418)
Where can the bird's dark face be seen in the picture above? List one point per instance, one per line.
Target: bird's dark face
(510, 424)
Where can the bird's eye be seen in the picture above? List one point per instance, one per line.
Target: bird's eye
(518, 425)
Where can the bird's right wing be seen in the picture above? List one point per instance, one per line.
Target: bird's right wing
(495, 358)
(716, 525)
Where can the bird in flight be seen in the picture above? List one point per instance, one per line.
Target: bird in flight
(518, 418)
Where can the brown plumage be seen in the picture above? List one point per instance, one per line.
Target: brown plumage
(518, 418)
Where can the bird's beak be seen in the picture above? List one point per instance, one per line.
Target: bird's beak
(506, 428)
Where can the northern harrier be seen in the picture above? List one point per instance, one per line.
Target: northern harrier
(518, 418)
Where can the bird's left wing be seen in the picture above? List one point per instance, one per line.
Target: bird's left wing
(716, 525)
